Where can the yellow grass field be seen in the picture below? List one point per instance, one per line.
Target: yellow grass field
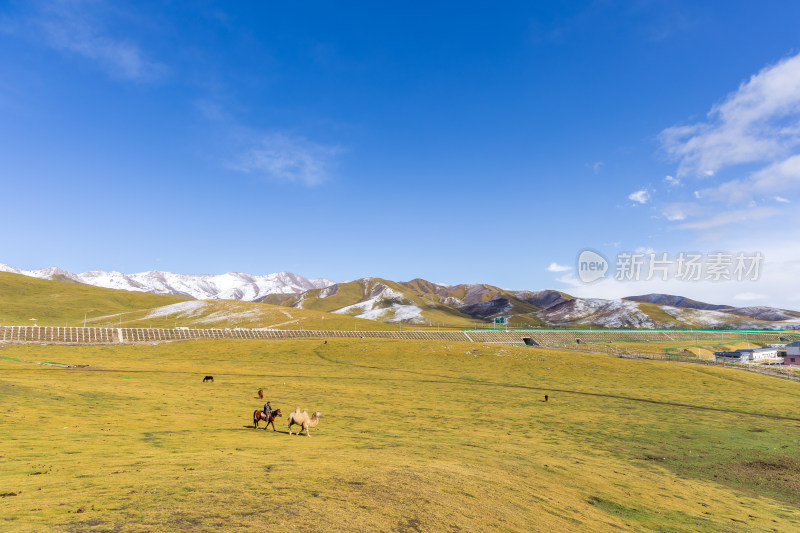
(415, 436)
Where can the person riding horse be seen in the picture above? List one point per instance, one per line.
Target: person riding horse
(268, 414)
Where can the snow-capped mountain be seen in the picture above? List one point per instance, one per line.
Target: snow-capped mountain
(422, 302)
(230, 286)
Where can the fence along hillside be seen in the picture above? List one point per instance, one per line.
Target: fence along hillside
(541, 337)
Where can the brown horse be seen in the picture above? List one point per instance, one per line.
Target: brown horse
(259, 415)
(261, 393)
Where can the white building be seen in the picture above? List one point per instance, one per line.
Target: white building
(759, 354)
(749, 355)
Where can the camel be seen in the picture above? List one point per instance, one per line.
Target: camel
(303, 420)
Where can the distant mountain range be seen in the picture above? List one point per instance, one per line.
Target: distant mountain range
(230, 286)
(423, 302)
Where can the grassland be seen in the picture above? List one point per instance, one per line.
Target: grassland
(705, 348)
(63, 303)
(351, 292)
(415, 436)
(232, 314)
(59, 303)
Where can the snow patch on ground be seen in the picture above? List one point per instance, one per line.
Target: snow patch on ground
(711, 319)
(183, 309)
(231, 314)
(211, 312)
(399, 313)
(387, 305)
(698, 317)
(601, 313)
(329, 291)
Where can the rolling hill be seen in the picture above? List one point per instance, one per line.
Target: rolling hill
(27, 301)
(418, 303)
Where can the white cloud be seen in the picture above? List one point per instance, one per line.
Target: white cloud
(555, 267)
(81, 28)
(597, 166)
(281, 157)
(755, 123)
(731, 217)
(778, 274)
(778, 177)
(672, 181)
(641, 196)
(673, 212)
(757, 126)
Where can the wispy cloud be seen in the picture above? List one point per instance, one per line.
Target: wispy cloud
(731, 217)
(756, 123)
(281, 157)
(680, 211)
(640, 197)
(779, 177)
(555, 267)
(274, 154)
(82, 28)
(754, 128)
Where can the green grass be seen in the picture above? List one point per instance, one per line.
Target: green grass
(56, 303)
(63, 303)
(415, 436)
(349, 293)
(233, 313)
(732, 342)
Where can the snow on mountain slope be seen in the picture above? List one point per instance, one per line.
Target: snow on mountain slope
(42, 273)
(203, 313)
(386, 305)
(763, 313)
(699, 318)
(387, 301)
(180, 309)
(230, 286)
(600, 313)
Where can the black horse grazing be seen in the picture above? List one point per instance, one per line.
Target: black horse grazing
(260, 415)
(208, 378)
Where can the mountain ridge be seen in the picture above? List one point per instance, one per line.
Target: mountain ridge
(424, 302)
(228, 286)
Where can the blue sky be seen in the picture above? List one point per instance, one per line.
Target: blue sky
(454, 141)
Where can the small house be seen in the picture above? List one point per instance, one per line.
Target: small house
(792, 354)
